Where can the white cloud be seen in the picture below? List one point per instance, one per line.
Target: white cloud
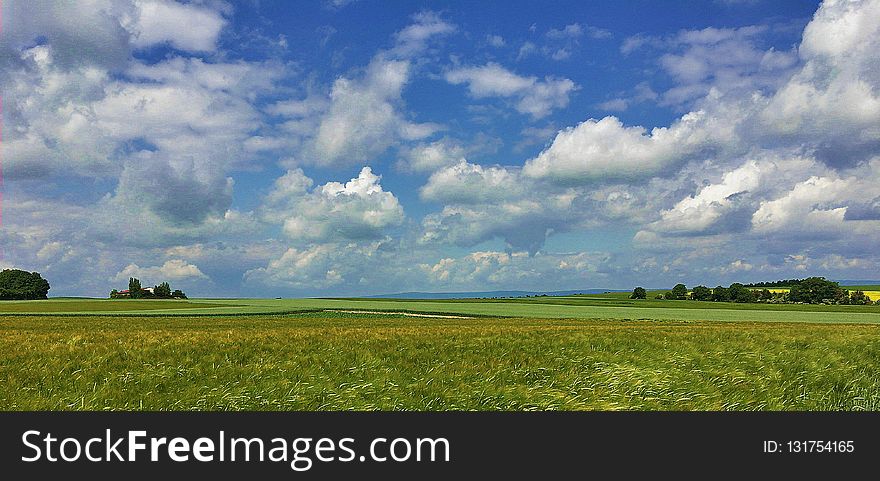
(465, 183)
(518, 270)
(832, 104)
(606, 149)
(363, 117)
(811, 209)
(533, 96)
(414, 38)
(496, 41)
(171, 270)
(483, 203)
(362, 266)
(188, 27)
(428, 157)
(727, 206)
(357, 210)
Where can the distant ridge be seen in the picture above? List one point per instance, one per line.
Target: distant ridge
(487, 294)
(851, 282)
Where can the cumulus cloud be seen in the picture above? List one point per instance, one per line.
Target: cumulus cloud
(363, 120)
(532, 95)
(483, 203)
(428, 157)
(357, 210)
(832, 104)
(606, 149)
(171, 270)
(150, 145)
(187, 27)
(519, 270)
(727, 59)
(375, 267)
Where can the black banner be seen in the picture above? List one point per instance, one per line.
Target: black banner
(330, 445)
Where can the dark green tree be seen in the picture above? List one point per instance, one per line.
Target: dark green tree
(19, 284)
(178, 294)
(740, 293)
(162, 291)
(639, 293)
(679, 292)
(701, 293)
(720, 294)
(859, 298)
(816, 290)
(134, 288)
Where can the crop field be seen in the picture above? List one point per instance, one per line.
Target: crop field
(608, 306)
(342, 361)
(873, 291)
(566, 353)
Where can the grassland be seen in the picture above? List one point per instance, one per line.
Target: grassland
(574, 352)
(98, 305)
(338, 361)
(610, 306)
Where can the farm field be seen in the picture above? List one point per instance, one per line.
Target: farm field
(574, 352)
(609, 306)
(342, 361)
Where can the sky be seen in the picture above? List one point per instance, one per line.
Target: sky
(358, 147)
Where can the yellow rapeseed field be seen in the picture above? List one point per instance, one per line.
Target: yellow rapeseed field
(873, 295)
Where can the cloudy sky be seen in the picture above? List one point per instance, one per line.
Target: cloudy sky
(343, 147)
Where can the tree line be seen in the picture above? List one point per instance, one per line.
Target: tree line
(812, 290)
(136, 291)
(16, 284)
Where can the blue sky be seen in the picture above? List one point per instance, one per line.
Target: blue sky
(360, 147)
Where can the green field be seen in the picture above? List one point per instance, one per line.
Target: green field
(609, 306)
(547, 353)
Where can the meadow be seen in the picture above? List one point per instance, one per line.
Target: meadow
(317, 354)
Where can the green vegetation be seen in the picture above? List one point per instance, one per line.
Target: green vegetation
(813, 290)
(19, 284)
(73, 306)
(330, 361)
(639, 293)
(601, 306)
(136, 291)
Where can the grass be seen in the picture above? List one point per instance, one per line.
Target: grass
(323, 361)
(576, 307)
(95, 305)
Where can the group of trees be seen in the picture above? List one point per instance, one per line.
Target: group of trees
(136, 291)
(782, 283)
(813, 290)
(17, 284)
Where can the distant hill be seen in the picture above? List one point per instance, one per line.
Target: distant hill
(851, 282)
(488, 294)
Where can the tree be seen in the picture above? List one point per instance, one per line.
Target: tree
(19, 284)
(178, 294)
(816, 290)
(701, 293)
(679, 292)
(162, 291)
(859, 298)
(114, 294)
(720, 294)
(740, 293)
(639, 293)
(134, 288)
